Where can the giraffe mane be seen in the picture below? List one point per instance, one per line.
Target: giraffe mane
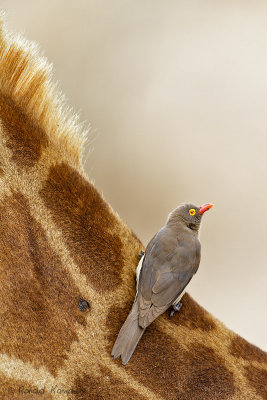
(27, 78)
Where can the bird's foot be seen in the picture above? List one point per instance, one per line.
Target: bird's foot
(140, 255)
(176, 307)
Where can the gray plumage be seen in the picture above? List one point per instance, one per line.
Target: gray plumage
(171, 259)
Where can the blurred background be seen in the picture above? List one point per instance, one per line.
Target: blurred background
(176, 94)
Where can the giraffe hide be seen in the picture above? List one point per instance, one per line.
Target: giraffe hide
(60, 242)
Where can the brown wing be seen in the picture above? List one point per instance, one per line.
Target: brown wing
(168, 266)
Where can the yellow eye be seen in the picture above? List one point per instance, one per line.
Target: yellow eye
(192, 211)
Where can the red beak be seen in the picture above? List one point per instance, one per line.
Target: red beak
(205, 208)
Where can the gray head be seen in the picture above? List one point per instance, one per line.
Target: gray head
(189, 215)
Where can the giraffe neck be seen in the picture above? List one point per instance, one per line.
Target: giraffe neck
(68, 271)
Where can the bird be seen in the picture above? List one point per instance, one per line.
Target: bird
(168, 264)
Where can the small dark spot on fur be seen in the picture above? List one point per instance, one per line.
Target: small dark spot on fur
(83, 305)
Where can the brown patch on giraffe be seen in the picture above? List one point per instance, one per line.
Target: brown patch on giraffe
(38, 299)
(108, 386)
(115, 319)
(240, 348)
(86, 221)
(192, 315)
(257, 378)
(24, 138)
(20, 390)
(165, 366)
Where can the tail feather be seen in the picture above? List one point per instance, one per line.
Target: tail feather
(128, 337)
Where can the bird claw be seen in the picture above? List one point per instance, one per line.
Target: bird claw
(176, 307)
(140, 255)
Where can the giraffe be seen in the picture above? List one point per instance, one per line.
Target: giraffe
(68, 270)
